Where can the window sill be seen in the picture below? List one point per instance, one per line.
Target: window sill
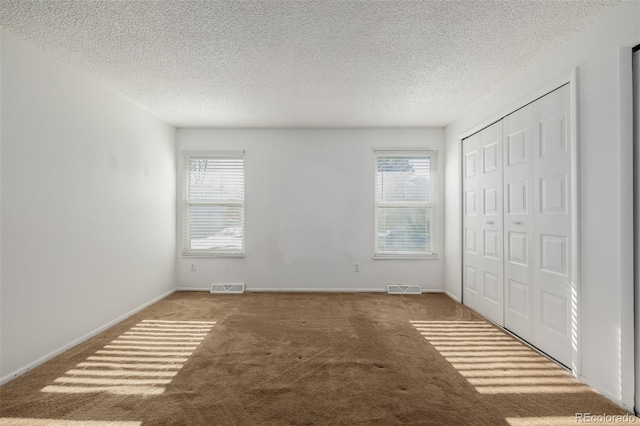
(214, 255)
(405, 257)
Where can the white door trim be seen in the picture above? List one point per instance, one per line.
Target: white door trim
(636, 193)
(575, 224)
(570, 78)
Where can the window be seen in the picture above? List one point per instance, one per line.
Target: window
(405, 204)
(213, 211)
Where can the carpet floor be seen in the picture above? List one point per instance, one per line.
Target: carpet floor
(302, 359)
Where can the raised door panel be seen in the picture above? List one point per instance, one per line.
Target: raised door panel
(470, 163)
(516, 193)
(518, 248)
(470, 241)
(490, 157)
(471, 279)
(470, 202)
(552, 140)
(554, 254)
(517, 142)
(490, 201)
(518, 300)
(554, 314)
(492, 289)
(491, 244)
(553, 194)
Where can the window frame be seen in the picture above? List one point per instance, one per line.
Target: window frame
(187, 156)
(433, 205)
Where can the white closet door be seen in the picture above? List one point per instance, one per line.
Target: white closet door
(518, 222)
(517, 251)
(483, 271)
(553, 303)
(471, 221)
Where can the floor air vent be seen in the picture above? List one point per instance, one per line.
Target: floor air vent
(404, 289)
(228, 288)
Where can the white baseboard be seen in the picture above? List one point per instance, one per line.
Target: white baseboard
(314, 290)
(79, 340)
(610, 395)
(456, 298)
(294, 290)
(309, 290)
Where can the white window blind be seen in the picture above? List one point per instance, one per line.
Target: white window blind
(405, 204)
(213, 204)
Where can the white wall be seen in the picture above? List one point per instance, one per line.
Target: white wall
(606, 189)
(309, 210)
(88, 207)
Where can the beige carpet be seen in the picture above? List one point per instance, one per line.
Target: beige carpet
(301, 359)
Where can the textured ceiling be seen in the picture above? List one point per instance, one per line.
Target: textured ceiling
(287, 63)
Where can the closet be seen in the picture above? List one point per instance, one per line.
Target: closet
(517, 224)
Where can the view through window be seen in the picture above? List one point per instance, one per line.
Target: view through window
(213, 205)
(405, 197)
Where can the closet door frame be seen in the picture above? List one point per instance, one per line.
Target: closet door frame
(572, 80)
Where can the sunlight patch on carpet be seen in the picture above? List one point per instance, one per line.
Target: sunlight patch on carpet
(494, 362)
(142, 361)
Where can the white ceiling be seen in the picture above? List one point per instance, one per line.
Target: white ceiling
(287, 63)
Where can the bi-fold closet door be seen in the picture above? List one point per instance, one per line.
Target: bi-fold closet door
(517, 224)
(483, 223)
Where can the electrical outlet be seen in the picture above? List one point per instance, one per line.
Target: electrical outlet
(193, 266)
(357, 269)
